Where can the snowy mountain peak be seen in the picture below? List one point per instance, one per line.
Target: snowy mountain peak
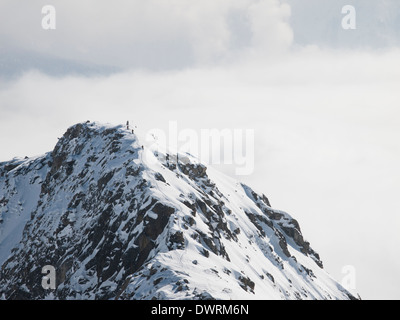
(121, 221)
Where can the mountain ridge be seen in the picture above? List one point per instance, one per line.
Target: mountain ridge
(119, 221)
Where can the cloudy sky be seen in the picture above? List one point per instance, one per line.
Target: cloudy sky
(322, 101)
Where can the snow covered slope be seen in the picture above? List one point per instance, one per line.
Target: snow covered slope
(121, 222)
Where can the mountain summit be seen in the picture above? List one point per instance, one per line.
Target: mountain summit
(117, 221)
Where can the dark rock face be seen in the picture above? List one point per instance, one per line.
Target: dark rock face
(194, 171)
(281, 224)
(246, 284)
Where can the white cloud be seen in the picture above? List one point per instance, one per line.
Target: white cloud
(148, 34)
(269, 23)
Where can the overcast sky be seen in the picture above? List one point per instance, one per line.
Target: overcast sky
(322, 101)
